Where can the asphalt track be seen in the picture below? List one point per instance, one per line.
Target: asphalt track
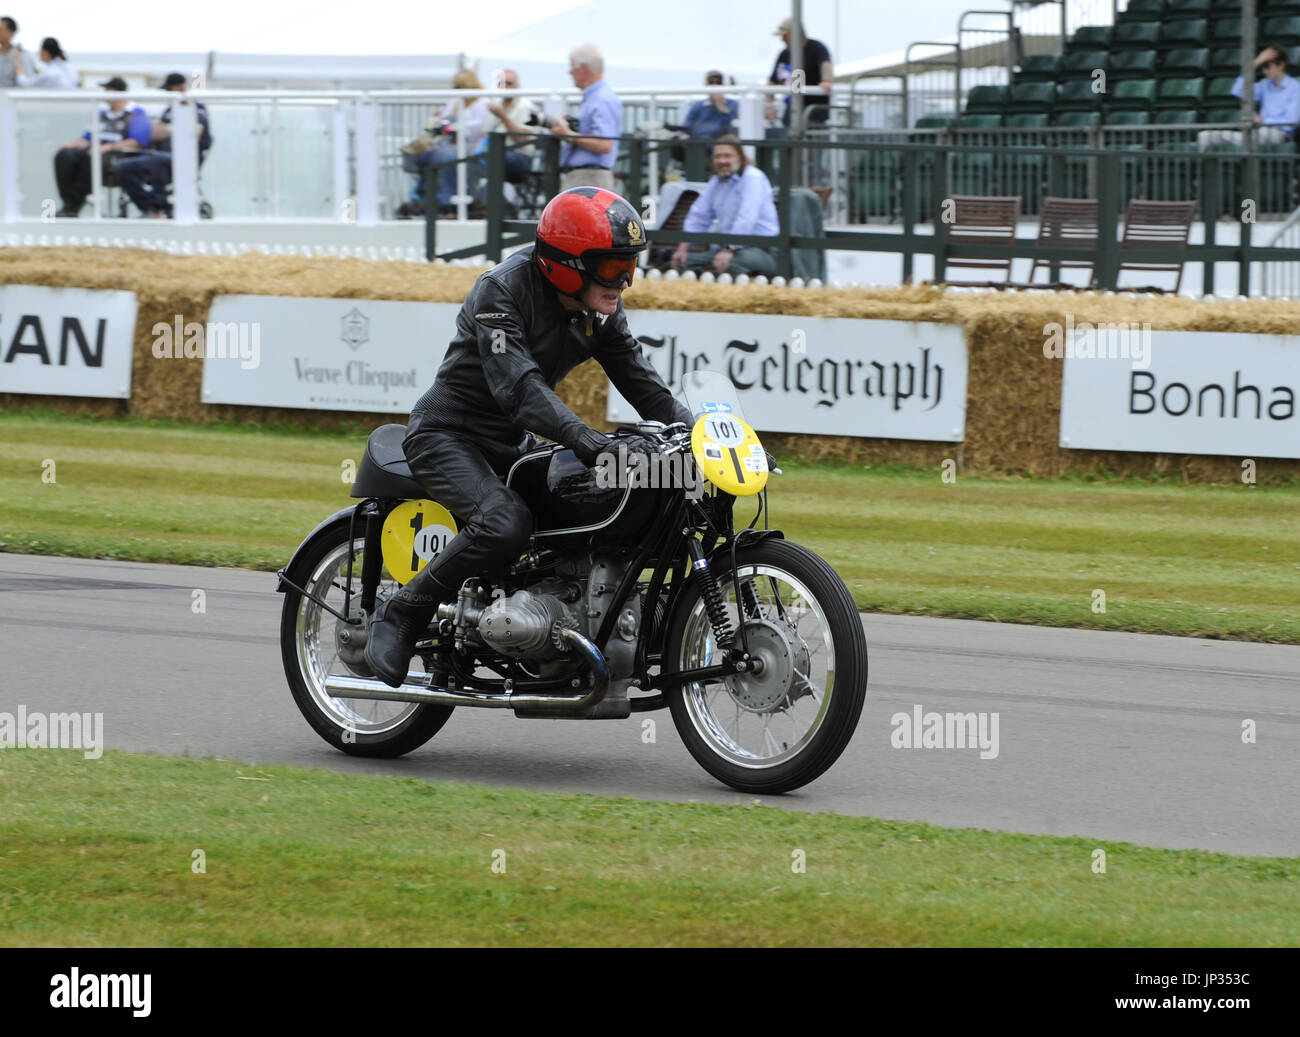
(1115, 737)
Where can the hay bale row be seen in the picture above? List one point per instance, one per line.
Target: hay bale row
(1013, 406)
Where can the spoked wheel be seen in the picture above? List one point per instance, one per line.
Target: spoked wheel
(315, 643)
(780, 727)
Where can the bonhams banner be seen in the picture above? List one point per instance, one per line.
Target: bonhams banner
(66, 341)
(1185, 393)
(320, 354)
(817, 375)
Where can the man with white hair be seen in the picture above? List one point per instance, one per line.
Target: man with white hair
(588, 161)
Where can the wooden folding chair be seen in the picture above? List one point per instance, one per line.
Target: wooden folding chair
(982, 220)
(1066, 223)
(1156, 225)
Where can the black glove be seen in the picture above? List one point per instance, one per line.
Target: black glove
(590, 445)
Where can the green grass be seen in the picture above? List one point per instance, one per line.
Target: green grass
(101, 853)
(1209, 561)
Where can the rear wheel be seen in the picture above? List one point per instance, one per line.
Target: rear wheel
(776, 729)
(315, 643)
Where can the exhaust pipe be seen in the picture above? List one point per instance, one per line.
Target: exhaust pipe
(415, 690)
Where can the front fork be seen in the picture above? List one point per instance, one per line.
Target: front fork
(723, 636)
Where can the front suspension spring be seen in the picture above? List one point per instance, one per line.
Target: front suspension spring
(713, 603)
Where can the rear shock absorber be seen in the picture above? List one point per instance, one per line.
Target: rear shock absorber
(712, 595)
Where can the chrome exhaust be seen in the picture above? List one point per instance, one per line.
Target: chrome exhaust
(414, 689)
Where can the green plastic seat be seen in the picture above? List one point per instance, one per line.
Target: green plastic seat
(986, 100)
(1285, 32)
(1134, 94)
(1144, 10)
(1090, 37)
(1221, 113)
(1032, 97)
(1026, 121)
(1127, 118)
(1181, 93)
(979, 122)
(1078, 96)
(1133, 64)
(934, 122)
(1175, 117)
(1225, 61)
(1039, 68)
(1175, 9)
(1218, 91)
(1083, 64)
(1226, 30)
(875, 187)
(1190, 33)
(1136, 36)
(1186, 62)
(1078, 118)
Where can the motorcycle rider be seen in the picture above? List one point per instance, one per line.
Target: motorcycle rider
(524, 325)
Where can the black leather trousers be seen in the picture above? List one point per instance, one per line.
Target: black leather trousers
(467, 477)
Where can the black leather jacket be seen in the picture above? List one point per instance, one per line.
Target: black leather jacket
(514, 341)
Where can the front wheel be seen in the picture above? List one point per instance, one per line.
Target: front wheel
(779, 728)
(314, 644)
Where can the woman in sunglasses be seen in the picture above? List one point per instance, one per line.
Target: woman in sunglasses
(525, 324)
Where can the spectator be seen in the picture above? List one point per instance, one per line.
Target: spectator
(57, 73)
(13, 59)
(1278, 97)
(444, 131)
(145, 177)
(708, 119)
(121, 129)
(739, 198)
(817, 69)
(587, 161)
(513, 117)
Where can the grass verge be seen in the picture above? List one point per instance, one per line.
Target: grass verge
(103, 853)
(1208, 561)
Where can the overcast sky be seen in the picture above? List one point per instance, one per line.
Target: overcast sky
(731, 34)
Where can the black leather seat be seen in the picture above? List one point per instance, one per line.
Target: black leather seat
(384, 471)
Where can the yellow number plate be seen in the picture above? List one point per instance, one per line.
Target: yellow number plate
(729, 454)
(415, 533)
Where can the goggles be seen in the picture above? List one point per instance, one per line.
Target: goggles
(612, 271)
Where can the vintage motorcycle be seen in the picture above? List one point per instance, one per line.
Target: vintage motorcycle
(637, 593)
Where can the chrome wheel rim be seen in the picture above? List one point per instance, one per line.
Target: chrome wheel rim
(721, 711)
(317, 643)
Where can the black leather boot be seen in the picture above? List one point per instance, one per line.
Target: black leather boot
(397, 623)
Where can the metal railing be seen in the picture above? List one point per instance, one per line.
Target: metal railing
(927, 175)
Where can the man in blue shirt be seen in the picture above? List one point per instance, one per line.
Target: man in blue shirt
(739, 197)
(1278, 97)
(145, 177)
(121, 129)
(587, 161)
(706, 120)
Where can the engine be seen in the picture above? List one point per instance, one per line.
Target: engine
(526, 625)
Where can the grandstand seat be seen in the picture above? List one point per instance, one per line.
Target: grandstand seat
(1025, 121)
(1285, 32)
(979, 122)
(1078, 119)
(1144, 10)
(986, 100)
(1218, 91)
(1127, 118)
(874, 191)
(1078, 96)
(1185, 62)
(1225, 31)
(1181, 93)
(1175, 9)
(1032, 97)
(1278, 8)
(1039, 68)
(1133, 64)
(1090, 37)
(1137, 36)
(1221, 113)
(1191, 33)
(1175, 117)
(1083, 63)
(934, 122)
(1134, 94)
(1224, 60)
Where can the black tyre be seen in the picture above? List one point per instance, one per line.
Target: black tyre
(310, 646)
(778, 729)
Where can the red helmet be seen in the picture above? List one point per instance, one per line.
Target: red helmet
(588, 234)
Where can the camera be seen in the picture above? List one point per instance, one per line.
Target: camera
(534, 119)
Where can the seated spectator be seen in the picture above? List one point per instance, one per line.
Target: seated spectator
(708, 119)
(518, 117)
(738, 198)
(1278, 97)
(145, 177)
(122, 129)
(13, 59)
(56, 73)
(444, 130)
